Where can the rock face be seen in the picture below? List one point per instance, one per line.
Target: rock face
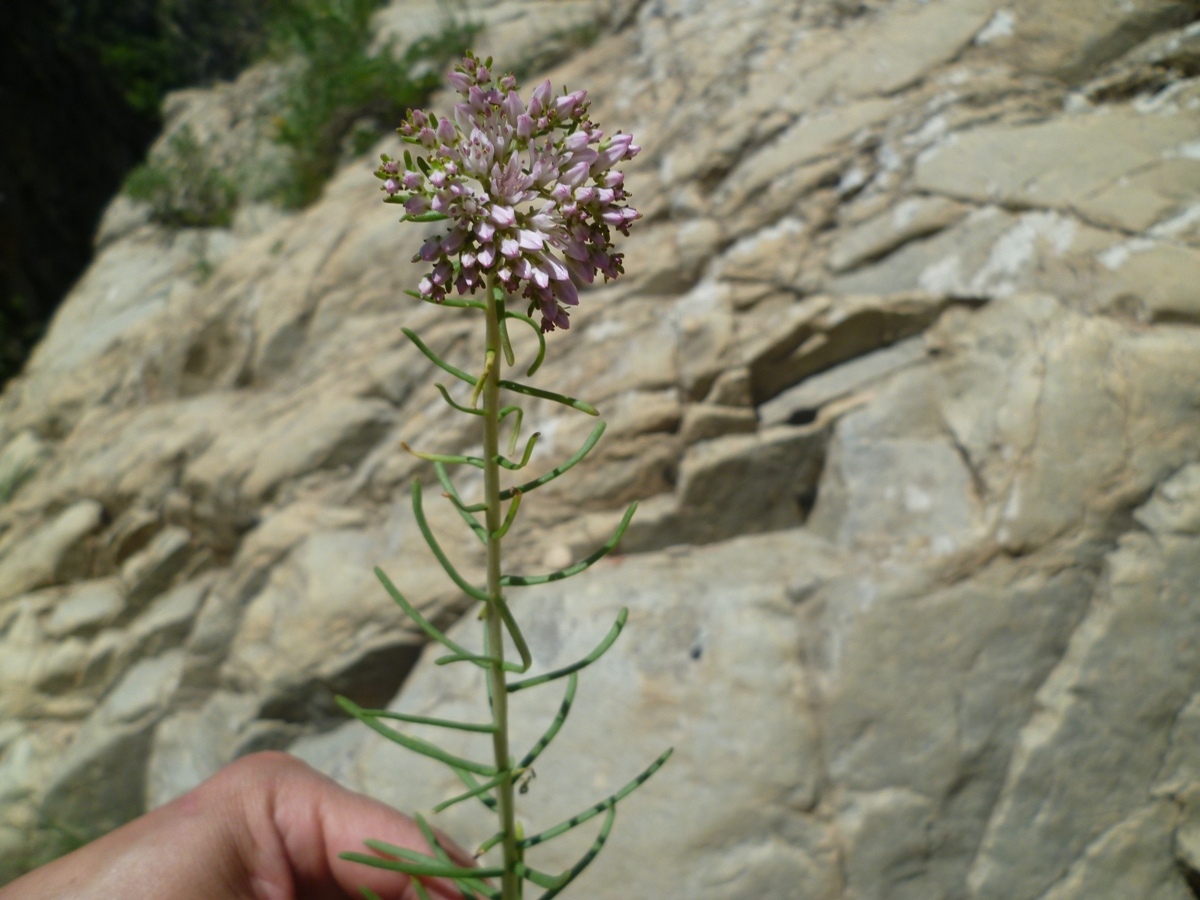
(904, 374)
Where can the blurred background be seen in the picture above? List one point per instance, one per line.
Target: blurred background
(905, 374)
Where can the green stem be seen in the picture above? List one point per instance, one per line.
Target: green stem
(511, 881)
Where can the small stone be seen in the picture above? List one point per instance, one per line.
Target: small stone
(149, 572)
(704, 421)
(87, 607)
(732, 388)
(39, 559)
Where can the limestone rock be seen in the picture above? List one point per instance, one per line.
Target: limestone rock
(924, 633)
(89, 607)
(910, 219)
(44, 556)
(691, 661)
(704, 421)
(1123, 169)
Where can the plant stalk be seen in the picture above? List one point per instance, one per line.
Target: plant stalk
(511, 884)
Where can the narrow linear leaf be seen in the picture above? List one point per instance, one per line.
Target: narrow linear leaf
(545, 739)
(443, 858)
(541, 356)
(541, 879)
(510, 518)
(455, 302)
(439, 851)
(411, 855)
(572, 402)
(489, 844)
(600, 807)
(585, 860)
(474, 792)
(469, 780)
(482, 380)
(438, 870)
(501, 316)
(476, 508)
(512, 466)
(525, 580)
(431, 838)
(411, 611)
(514, 632)
(554, 473)
(462, 409)
(430, 216)
(601, 649)
(415, 744)
(470, 887)
(516, 431)
(478, 659)
(463, 509)
(371, 895)
(444, 459)
(419, 514)
(487, 728)
(437, 360)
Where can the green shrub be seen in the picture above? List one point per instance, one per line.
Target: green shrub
(182, 186)
(343, 98)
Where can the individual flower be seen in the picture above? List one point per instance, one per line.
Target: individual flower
(528, 189)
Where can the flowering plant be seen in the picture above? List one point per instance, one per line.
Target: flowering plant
(519, 182)
(532, 198)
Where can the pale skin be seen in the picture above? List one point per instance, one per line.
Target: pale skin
(267, 827)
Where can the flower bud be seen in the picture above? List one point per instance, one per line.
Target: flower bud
(567, 103)
(503, 216)
(566, 292)
(575, 175)
(576, 141)
(431, 249)
(541, 96)
(513, 107)
(530, 240)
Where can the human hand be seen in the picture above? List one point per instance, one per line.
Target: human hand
(266, 827)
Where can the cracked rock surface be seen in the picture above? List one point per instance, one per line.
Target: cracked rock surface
(904, 375)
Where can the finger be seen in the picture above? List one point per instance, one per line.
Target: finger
(318, 819)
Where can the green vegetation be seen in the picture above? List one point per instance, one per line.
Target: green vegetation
(343, 98)
(182, 186)
(150, 47)
(339, 99)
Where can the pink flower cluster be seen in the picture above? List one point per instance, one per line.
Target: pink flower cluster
(530, 191)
